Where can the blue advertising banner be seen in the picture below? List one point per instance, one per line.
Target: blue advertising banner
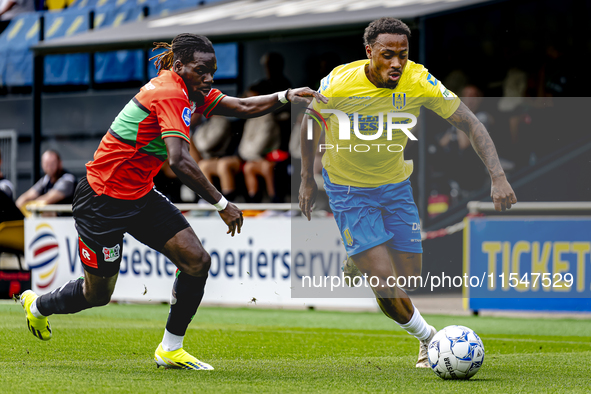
(528, 263)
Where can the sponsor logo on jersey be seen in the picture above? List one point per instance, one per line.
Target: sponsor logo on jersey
(186, 116)
(111, 254)
(432, 80)
(149, 86)
(399, 100)
(447, 94)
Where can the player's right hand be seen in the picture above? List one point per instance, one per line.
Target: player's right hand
(307, 197)
(502, 194)
(305, 96)
(232, 216)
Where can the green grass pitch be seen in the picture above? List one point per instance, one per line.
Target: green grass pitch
(110, 349)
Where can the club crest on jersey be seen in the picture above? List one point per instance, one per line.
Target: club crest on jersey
(111, 254)
(186, 116)
(399, 100)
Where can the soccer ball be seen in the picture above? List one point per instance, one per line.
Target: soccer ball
(456, 352)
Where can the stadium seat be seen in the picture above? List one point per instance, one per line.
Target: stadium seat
(83, 4)
(118, 66)
(227, 57)
(66, 69)
(16, 61)
(53, 5)
(164, 8)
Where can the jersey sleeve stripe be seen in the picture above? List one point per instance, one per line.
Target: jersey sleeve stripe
(140, 105)
(175, 133)
(211, 106)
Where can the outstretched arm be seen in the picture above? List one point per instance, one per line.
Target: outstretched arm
(308, 186)
(501, 191)
(185, 168)
(251, 107)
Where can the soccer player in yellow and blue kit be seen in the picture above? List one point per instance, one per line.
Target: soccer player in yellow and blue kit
(365, 174)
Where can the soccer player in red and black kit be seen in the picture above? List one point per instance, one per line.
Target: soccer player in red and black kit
(118, 194)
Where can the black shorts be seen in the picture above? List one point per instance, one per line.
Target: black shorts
(101, 222)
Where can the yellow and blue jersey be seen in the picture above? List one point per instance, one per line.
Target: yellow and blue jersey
(360, 160)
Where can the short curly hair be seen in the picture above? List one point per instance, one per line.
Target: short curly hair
(386, 25)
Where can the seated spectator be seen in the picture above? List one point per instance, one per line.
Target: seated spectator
(9, 9)
(261, 136)
(275, 80)
(8, 210)
(212, 139)
(6, 186)
(56, 187)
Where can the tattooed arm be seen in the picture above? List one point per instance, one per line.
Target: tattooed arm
(501, 191)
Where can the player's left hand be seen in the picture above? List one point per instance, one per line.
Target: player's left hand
(502, 194)
(305, 96)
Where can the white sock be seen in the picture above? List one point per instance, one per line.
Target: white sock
(171, 342)
(417, 326)
(34, 311)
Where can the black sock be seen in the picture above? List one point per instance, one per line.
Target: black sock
(67, 299)
(188, 291)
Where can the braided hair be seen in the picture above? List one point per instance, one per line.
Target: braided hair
(183, 48)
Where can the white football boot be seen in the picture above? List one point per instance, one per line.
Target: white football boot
(423, 361)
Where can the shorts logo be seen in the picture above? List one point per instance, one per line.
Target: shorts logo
(399, 100)
(87, 255)
(348, 237)
(416, 227)
(111, 254)
(186, 116)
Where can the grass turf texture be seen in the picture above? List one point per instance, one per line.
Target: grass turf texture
(110, 349)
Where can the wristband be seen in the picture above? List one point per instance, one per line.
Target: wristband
(282, 96)
(222, 204)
